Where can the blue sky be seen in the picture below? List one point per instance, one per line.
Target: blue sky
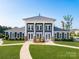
(13, 11)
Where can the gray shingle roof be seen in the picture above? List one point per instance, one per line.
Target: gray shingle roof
(15, 30)
(39, 18)
(58, 29)
(75, 29)
(23, 29)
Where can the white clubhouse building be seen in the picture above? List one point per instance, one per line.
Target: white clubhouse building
(38, 27)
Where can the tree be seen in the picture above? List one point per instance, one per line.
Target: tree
(68, 21)
(3, 28)
(63, 24)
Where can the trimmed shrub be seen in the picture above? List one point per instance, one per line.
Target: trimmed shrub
(71, 39)
(2, 36)
(6, 37)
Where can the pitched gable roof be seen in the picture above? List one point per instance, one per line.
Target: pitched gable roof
(38, 18)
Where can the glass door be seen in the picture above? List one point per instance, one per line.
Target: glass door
(39, 36)
(47, 37)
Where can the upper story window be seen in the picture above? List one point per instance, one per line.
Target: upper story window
(30, 26)
(48, 27)
(39, 27)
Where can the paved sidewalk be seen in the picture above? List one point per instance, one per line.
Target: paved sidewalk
(66, 46)
(24, 52)
(12, 44)
(51, 43)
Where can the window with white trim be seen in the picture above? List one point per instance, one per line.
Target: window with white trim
(48, 27)
(39, 27)
(30, 27)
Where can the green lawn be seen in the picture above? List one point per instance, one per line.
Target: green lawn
(10, 52)
(53, 52)
(12, 41)
(68, 43)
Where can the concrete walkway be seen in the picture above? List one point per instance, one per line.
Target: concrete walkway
(12, 44)
(54, 44)
(66, 46)
(24, 52)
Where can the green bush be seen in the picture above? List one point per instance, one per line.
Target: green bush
(67, 39)
(21, 38)
(57, 39)
(6, 37)
(1, 36)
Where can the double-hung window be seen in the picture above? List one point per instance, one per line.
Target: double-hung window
(39, 27)
(30, 27)
(48, 27)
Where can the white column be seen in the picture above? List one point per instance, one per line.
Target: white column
(69, 34)
(25, 34)
(66, 35)
(52, 30)
(59, 34)
(43, 31)
(12, 35)
(9, 34)
(25, 30)
(34, 29)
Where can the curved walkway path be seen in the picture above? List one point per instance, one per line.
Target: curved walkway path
(12, 44)
(25, 53)
(54, 44)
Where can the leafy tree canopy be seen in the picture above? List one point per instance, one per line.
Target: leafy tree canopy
(3, 28)
(68, 22)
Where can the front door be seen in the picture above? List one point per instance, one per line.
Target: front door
(30, 36)
(39, 36)
(47, 37)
